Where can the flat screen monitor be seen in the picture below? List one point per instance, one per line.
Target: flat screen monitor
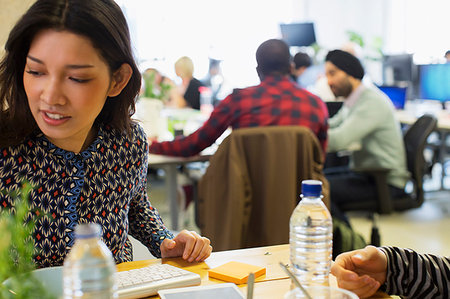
(398, 68)
(434, 82)
(333, 107)
(397, 94)
(298, 34)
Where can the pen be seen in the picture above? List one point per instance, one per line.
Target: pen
(296, 282)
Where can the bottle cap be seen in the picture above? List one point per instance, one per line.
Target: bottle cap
(88, 230)
(311, 188)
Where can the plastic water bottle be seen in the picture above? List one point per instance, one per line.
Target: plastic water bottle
(206, 103)
(89, 269)
(311, 236)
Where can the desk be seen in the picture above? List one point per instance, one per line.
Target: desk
(413, 111)
(274, 284)
(169, 164)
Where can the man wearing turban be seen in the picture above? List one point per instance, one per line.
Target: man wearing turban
(368, 119)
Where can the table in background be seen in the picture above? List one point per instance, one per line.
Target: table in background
(187, 120)
(170, 164)
(413, 110)
(274, 284)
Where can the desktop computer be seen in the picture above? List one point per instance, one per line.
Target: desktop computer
(298, 34)
(434, 82)
(333, 107)
(397, 94)
(398, 68)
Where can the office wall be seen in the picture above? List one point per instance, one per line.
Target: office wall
(405, 26)
(10, 12)
(334, 18)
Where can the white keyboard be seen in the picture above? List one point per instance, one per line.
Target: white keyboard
(149, 280)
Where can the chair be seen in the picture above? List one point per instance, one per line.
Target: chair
(252, 185)
(415, 140)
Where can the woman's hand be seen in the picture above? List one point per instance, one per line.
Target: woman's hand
(361, 271)
(187, 244)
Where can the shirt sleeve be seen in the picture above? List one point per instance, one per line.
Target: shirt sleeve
(415, 275)
(206, 135)
(145, 223)
(339, 117)
(355, 126)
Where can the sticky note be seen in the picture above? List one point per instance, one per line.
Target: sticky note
(236, 272)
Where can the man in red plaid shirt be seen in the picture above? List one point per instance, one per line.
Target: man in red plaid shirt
(276, 101)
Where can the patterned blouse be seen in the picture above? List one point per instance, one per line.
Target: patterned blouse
(104, 184)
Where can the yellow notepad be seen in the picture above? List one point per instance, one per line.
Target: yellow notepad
(236, 272)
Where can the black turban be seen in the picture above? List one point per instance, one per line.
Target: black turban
(346, 62)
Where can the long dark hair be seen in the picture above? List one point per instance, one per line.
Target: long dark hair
(103, 22)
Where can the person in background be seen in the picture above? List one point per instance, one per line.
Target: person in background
(188, 91)
(156, 85)
(301, 63)
(367, 118)
(68, 82)
(276, 101)
(397, 271)
(447, 56)
(214, 79)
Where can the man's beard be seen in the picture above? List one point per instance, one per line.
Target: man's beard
(344, 90)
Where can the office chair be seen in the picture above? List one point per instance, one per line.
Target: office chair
(253, 183)
(415, 140)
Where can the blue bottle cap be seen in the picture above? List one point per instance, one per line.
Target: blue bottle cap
(311, 188)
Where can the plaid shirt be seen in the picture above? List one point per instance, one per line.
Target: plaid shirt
(277, 101)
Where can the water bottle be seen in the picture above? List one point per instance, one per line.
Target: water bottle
(89, 269)
(206, 102)
(311, 236)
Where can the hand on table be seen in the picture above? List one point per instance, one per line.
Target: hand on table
(187, 244)
(361, 271)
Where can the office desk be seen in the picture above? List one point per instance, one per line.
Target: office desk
(169, 164)
(413, 111)
(274, 284)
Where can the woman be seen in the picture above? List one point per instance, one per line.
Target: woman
(68, 84)
(189, 93)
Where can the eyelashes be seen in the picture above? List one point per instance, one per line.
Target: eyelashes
(34, 73)
(74, 79)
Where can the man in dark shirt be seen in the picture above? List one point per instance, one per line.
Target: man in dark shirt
(276, 101)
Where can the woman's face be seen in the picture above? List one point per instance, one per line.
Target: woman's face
(67, 83)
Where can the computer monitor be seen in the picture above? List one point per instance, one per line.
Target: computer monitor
(333, 107)
(398, 68)
(434, 82)
(397, 94)
(298, 34)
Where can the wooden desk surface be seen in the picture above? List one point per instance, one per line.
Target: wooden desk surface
(274, 284)
(410, 115)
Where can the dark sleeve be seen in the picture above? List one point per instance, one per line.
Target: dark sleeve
(145, 223)
(414, 275)
(192, 94)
